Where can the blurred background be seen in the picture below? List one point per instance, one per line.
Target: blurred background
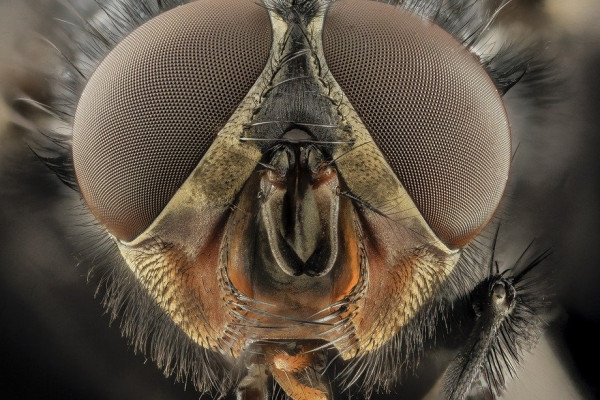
(55, 340)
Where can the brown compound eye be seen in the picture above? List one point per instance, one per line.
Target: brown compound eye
(154, 105)
(430, 107)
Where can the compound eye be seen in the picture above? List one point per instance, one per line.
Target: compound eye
(430, 107)
(154, 105)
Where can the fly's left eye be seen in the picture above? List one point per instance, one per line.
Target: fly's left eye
(154, 105)
(430, 107)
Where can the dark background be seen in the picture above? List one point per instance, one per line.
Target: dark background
(55, 340)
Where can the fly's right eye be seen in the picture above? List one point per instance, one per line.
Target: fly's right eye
(154, 105)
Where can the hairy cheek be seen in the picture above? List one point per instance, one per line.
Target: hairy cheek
(399, 281)
(395, 293)
(187, 289)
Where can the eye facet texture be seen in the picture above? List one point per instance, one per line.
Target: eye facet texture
(154, 105)
(431, 108)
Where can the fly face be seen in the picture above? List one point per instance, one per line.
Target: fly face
(294, 179)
